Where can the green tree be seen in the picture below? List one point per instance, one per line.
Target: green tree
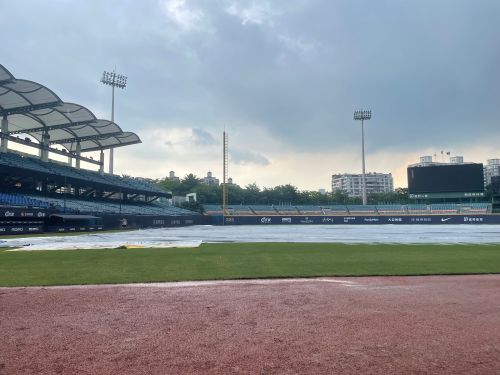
(189, 184)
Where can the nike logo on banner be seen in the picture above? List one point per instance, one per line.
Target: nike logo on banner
(449, 218)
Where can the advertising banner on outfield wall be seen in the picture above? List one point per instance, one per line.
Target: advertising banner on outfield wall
(354, 220)
(24, 213)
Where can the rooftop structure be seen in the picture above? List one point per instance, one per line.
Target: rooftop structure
(210, 180)
(27, 107)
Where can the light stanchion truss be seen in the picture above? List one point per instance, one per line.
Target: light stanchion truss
(114, 80)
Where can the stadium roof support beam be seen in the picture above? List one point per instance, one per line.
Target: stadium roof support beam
(78, 140)
(101, 160)
(78, 153)
(105, 142)
(61, 116)
(22, 96)
(4, 130)
(5, 75)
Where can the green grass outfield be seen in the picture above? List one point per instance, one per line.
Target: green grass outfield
(242, 261)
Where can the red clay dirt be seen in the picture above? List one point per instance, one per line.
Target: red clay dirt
(382, 325)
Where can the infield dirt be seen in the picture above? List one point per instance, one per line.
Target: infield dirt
(382, 325)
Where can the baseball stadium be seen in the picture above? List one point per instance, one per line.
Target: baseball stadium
(102, 274)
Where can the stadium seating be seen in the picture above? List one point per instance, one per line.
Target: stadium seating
(263, 209)
(287, 210)
(240, 210)
(391, 209)
(23, 201)
(417, 209)
(362, 210)
(213, 209)
(444, 208)
(310, 210)
(54, 168)
(382, 209)
(475, 208)
(108, 207)
(335, 210)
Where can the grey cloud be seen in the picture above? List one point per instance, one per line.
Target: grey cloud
(202, 137)
(243, 157)
(428, 70)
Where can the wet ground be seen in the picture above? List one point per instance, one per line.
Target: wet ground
(376, 325)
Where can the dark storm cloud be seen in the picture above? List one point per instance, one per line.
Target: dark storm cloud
(428, 70)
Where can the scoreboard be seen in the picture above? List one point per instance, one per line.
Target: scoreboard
(464, 180)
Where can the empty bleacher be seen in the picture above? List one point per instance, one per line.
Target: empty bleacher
(381, 209)
(240, 210)
(417, 209)
(54, 199)
(21, 201)
(287, 210)
(310, 210)
(445, 208)
(335, 210)
(85, 176)
(391, 209)
(263, 209)
(213, 209)
(362, 210)
(108, 207)
(476, 208)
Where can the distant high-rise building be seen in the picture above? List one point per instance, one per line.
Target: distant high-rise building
(352, 183)
(172, 176)
(492, 168)
(210, 180)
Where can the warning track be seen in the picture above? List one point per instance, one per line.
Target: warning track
(381, 325)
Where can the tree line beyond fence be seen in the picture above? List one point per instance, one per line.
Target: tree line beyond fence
(278, 195)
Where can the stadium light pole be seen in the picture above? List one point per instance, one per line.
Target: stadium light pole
(362, 116)
(114, 80)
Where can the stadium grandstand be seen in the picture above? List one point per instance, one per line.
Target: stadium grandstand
(40, 194)
(358, 210)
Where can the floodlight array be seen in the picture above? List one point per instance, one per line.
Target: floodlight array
(113, 79)
(362, 115)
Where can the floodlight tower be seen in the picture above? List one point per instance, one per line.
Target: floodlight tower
(114, 80)
(362, 116)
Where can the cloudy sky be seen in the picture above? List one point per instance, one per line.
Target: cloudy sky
(282, 77)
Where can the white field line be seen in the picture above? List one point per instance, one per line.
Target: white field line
(190, 284)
